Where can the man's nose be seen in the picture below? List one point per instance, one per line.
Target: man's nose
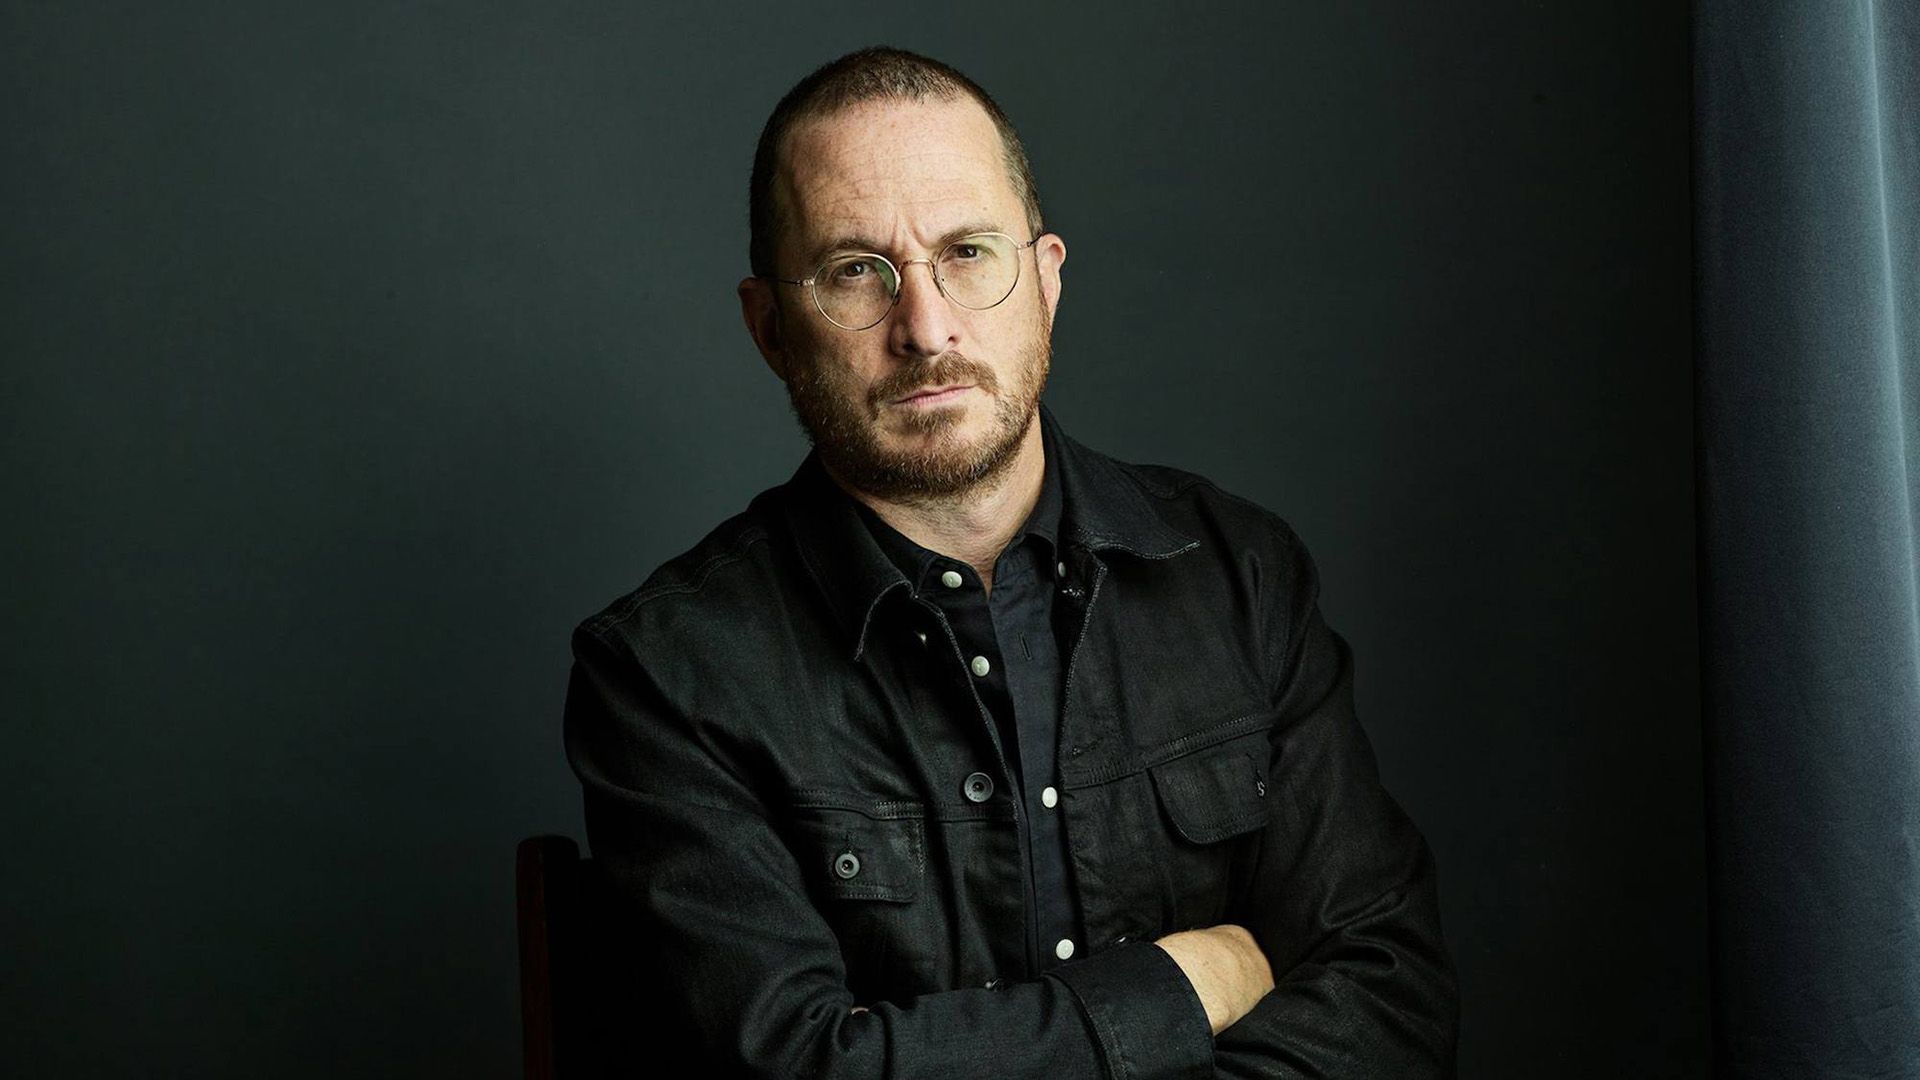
(924, 322)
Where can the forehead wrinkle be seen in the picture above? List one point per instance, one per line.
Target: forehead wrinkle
(937, 231)
(856, 193)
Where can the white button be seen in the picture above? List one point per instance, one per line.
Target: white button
(981, 667)
(1048, 797)
(1063, 948)
(1060, 568)
(951, 579)
(922, 635)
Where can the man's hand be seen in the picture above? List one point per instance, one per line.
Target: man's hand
(1225, 966)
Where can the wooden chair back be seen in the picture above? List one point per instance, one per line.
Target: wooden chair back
(577, 982)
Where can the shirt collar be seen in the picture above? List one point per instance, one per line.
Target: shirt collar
(1099, 508)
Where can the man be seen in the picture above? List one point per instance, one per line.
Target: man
(969, 750)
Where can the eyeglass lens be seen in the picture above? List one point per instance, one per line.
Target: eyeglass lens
(978, 271)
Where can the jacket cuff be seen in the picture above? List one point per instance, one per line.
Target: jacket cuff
(1145, 1014)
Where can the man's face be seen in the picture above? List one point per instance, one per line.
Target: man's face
(902, 179)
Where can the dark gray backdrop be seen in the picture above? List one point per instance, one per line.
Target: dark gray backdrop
(351, 355)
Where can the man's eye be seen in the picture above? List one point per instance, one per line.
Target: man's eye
(853, 270)
(966, 251)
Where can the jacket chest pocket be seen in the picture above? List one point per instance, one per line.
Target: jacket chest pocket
(1212, 802)
(865, 867)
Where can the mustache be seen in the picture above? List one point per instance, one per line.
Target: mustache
(949, 367)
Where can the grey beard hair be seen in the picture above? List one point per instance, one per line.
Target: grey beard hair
(846, 445)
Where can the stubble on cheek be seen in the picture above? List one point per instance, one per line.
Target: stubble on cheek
(845, 422)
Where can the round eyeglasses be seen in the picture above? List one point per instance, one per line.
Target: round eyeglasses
(856, 291)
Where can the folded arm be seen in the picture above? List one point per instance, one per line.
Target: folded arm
(756, 975)
(1343, 899)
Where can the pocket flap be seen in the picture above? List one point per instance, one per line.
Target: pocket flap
(1218, 791)
(854, 854)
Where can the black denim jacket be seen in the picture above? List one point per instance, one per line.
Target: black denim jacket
(783, 758)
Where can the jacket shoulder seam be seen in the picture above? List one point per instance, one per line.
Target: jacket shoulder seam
(691, 583)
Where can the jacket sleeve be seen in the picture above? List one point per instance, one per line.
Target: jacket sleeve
(1342, 899)
(747, 973)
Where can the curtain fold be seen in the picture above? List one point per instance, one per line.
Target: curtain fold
(1807, 243)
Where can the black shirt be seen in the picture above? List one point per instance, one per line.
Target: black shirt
(1010, 640)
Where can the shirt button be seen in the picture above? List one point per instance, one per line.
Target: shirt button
(1063, 948)
(1060, 569)
(922, 635)
(978, 787)
(847, 865)
(981, 666)
(1048, 797)
(951, 579)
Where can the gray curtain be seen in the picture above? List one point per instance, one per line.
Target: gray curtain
(1807, 240)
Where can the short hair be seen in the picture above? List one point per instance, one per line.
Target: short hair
(876, 73)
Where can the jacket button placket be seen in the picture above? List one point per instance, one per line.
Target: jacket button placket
(979, 790)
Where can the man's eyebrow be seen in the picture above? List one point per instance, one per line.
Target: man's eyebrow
(857, 242)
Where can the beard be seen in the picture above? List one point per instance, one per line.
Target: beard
(843, 425)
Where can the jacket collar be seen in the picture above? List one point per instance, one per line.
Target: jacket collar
(1103, 510)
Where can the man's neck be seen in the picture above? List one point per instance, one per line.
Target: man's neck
(974, 525)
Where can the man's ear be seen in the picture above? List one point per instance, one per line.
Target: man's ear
(1048, 254)
(760, 310)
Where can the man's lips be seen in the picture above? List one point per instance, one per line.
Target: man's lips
(933, 395)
